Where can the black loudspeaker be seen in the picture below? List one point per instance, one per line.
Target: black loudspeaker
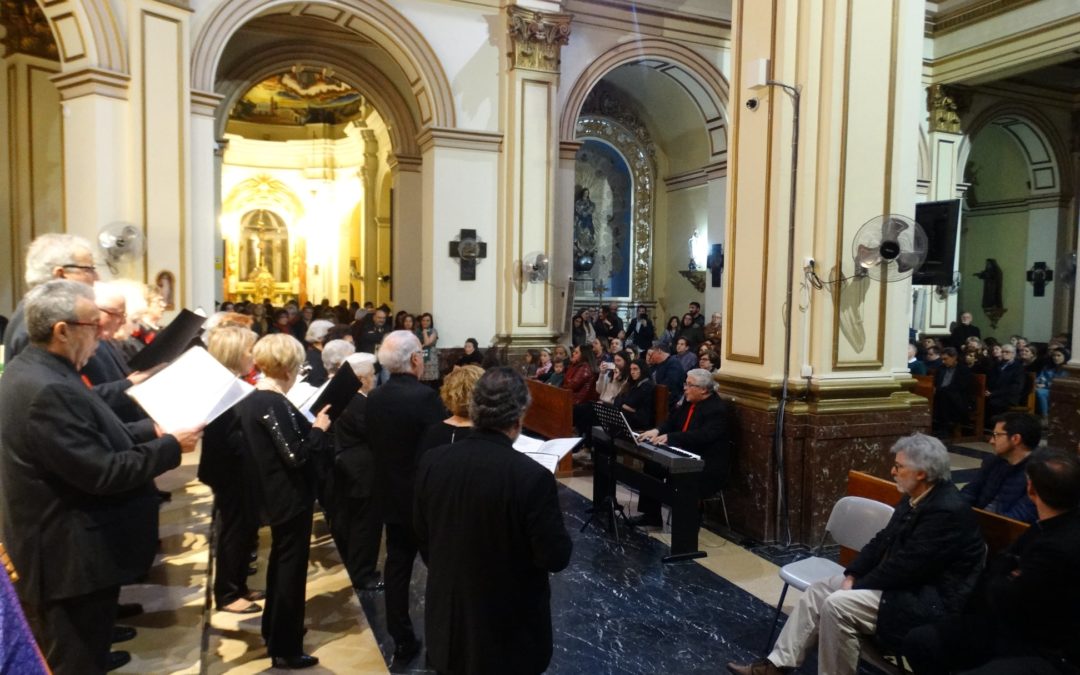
(940, 221)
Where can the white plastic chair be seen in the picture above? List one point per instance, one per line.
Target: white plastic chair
(853, 523)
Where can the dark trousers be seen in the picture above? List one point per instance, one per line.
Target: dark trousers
(357, 531)
(75, 633)
(647, 505)
(972, 643)
(400, 554)
(238, 526)
(286, 585)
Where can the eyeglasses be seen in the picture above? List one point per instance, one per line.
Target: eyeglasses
(95, 324)
(85, 268)
(995, 434)
(113, 312)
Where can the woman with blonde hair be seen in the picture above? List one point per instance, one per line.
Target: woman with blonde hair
(279, 442)
(456, 393)
(221, 466)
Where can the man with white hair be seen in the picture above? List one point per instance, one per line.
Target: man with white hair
(398, 414)
(701, 425)
(356, 526)
(920, 567)
(76, 485)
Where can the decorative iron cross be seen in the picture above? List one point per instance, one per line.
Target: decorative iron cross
(468, 249)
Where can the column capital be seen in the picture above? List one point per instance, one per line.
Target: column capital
(92, 81)
(404, 162)
(459, 138)
(536, 38)
(945, 103)
(569, 149)
(205, 103)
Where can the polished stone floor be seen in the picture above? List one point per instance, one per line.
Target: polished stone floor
(616, 609)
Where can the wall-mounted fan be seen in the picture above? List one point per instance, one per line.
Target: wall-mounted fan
(120, 242)
(889, 248)
(534, 268)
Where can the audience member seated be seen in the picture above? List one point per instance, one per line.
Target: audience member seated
(667, 371)
(952, 394)
(691, 330)
(637, 400)
(701, 425)
(558, 372)
(671, 331)
(921, 567)
(932, 360)
(543, 367)
(915, 366)
(709, 361)
(1005, 383)
(640, 329)
(1001, 486)
(714, 330)
(1024, 617)
(472, 355)
(1056, 368)
(687, 357)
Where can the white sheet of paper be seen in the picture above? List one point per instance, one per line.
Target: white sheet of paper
(547, 454)
(194, 389)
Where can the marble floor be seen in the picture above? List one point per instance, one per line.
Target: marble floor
(616, 609)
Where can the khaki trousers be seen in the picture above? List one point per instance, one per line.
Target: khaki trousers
(832, 618)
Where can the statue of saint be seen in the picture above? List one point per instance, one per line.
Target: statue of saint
(991, 278)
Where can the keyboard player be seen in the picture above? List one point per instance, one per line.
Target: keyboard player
(701, 425)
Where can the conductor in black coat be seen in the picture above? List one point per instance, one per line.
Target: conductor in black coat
(398, 415)
(489, 526)
(76, 485)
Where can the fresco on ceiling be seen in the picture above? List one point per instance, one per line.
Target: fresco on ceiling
(298, 97)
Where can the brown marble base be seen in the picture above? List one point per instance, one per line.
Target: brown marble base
(819, 449)
(1064, 430)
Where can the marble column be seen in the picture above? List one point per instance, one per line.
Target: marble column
(856, 68)
(944, 138)
(526, 312)
(205, 266)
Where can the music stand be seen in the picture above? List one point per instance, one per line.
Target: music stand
(613, 421)
(614, 424)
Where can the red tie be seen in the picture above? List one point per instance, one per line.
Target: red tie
(689, 414)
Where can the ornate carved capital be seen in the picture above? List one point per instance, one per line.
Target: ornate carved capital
(536, 38)
(945, 104)
(26, 30)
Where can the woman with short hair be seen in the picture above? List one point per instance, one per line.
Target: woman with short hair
(280, 442)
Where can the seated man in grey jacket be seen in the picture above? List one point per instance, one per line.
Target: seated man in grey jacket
(922, 566)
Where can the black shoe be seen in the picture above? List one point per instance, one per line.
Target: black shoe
(406, 651)
(126, 610)
(122, 634)
(642, 520)
(164, 496)
(117, 660)
(294, 662)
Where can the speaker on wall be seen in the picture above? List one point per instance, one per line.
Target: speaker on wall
(940, 221)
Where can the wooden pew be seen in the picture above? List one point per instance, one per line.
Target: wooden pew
(924, 386)
(551, 415)
(660, 403)
(1028, 405)
(998, 531)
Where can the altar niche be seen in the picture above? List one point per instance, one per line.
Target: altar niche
(603, 225)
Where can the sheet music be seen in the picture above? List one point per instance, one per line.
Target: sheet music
(547, 454)
(192, 390)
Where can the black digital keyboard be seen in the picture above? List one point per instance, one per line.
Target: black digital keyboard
(672, 459)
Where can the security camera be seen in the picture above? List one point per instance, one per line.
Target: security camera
(751, 104)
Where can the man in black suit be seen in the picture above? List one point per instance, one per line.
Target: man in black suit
(952, 394)
(1023, 619)
(640, 329)
(489, 526)
(701, 425)
(76, 485)
(1005, 383)
(667, 370)
(920, 567)
(398, 414)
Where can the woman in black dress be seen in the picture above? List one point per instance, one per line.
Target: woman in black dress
(279, 442)
(636, 400)
(456, 393)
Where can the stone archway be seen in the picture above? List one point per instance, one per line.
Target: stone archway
(87, 34)
(374, 19)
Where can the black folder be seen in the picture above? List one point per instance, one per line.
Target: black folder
(171, 342)
(338, 392)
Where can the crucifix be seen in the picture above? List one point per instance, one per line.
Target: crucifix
(468, 250)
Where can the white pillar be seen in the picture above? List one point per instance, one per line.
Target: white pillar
(205, 263)
(412, 261)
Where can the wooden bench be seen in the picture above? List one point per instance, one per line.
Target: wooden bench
(998, 531)
(1028, 405)
(551, 415)
(660, 403)
(924, 386)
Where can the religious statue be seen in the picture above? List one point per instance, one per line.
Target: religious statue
(991, 295)
(583, 209)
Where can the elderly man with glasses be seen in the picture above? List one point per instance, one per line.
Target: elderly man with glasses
(76, 484)
(920, 567)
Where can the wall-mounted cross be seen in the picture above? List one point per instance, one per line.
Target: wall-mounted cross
(467, 249)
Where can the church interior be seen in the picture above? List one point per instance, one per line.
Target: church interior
(503, 164)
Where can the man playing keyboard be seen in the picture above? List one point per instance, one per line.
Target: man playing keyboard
(700, 425)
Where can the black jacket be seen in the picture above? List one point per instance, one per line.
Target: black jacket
(1006, 385)
(640, 331)
(953, 404)
(926, 561)
(670, 373)
(77, 496)
(489, 526)
(354, 460)
(709, 435)
(642, 398)
(283, 491)
(398, 414)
